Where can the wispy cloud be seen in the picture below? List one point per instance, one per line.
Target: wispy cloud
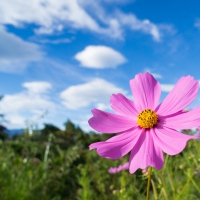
(51, 15)
(100, 57)
(16, 53)
(55, 16)
(117, 1)
(132, 22)
(51, 41)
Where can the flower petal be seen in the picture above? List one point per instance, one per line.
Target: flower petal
(123, 106)
(114, 170)
(146, 91)
(110, 123)
(183, 120)
(170, 141)
(146, 153)
(117, 146)
(183, 93)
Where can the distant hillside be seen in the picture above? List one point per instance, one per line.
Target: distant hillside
(14, 131)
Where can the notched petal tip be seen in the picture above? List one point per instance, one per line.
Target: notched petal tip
(95, 145)
(171, 141)
(93, 111)
(117, 146)
(110, 123)
(123, 106)
(146, 91)
(131, 171)
(91, 147)
(182, 95)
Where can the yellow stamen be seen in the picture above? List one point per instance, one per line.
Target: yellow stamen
(147, 118)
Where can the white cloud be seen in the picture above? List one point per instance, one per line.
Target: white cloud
(16, 53)
(32, 98)
(27, 103)
(37, 87)
(16, 121)
(167, 87)
(54, 16)
(103, 106)
(97, 91)
(100, 57)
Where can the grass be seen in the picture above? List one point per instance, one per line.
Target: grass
(44, 168)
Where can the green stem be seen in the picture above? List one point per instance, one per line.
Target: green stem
(47, 151)
(195, 185)
(171, 183)
(149, 182)
(154, 190)
(165, 164)
(185, 186)
(163, 190)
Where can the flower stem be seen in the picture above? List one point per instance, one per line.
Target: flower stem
(154, 190)
(149, 182)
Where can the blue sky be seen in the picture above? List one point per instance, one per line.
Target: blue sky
(59, 59)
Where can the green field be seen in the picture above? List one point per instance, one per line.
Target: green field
(57, 165)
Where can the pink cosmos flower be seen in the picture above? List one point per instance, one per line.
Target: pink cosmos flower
(145, 128)
(114, 170)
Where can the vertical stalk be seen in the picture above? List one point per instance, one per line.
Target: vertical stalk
(47, 151)
(184, 187)
(154, 190)
(149, 182)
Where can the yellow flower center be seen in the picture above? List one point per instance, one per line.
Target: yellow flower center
(147, 118)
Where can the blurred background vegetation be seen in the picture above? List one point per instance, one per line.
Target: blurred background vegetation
(54, 164)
